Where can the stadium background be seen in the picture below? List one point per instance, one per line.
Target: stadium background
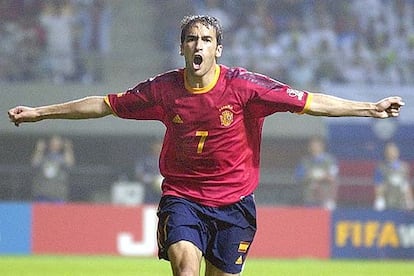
(144, 41)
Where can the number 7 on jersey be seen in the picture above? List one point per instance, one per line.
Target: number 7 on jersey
(203, 136)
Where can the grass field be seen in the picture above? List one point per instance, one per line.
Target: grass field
(122, 266)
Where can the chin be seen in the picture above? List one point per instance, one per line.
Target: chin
(197, 73)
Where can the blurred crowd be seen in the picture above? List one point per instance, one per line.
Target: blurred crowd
(59, 40)
(309, 42)
(300, 42)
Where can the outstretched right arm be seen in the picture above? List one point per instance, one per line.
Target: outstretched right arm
(89, 107)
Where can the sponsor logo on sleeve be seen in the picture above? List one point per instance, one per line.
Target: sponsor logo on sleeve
(295, 93)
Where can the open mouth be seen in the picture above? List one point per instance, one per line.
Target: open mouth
(198, 59)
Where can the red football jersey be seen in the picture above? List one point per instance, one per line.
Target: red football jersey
(211, 149)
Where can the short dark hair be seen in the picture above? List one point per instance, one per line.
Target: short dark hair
(206, 20)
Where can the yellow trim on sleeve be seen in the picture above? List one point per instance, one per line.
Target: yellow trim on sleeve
(202, 89)
(106, 99)
(307, 104)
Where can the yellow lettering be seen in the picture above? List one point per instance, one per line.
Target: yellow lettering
(342, 233)
(388, 236)
(370, 233)
(356, 234)
(346, 230)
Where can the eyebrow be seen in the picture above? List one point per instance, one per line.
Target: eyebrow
(196, 36)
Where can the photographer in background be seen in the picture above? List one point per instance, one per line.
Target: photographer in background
(52, 160)
(318, 173)
(392, 181)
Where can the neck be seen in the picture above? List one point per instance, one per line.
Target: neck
(203, 84)
(199, 82)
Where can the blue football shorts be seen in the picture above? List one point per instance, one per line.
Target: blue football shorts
(223, 234)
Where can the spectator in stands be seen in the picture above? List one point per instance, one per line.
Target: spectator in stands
(30, 48)
(95, 24)
(401, 43)
(167, 14)
(147, 172)
(298, 66)
(328, 64)
(8, 46)
(392, 181)
(241, 43)
(328, 29)
(52, 160)
(57, 20)
(20, 40)
(318, 173)
(359, 61)
(384, 30)
(217, 9)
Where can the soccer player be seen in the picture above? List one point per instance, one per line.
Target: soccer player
(210, 156)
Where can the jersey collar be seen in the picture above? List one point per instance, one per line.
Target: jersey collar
(202, 89)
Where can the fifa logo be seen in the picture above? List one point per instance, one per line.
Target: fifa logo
(374, 234)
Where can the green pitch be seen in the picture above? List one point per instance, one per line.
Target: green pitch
(122, 266)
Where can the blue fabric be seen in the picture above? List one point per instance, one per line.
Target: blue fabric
(223, 234)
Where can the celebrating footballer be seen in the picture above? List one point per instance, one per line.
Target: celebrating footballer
(211, 151)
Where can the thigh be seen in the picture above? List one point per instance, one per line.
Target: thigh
(228, 250)
(231, 238)
(185, 258)
(178, 221)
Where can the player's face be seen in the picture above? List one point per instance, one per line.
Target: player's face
(200, 51)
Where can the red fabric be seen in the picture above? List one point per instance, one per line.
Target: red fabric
(211, 148)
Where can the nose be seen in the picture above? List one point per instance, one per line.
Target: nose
(199, 44)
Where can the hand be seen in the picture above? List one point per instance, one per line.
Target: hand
(388, 107)
(22, 114)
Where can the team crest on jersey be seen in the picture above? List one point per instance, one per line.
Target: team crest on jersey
(295, 93)
(226, 116)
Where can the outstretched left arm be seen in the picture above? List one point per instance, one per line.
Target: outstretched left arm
(326, 105)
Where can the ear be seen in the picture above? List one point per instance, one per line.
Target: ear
(181, 51)
(219, 50)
